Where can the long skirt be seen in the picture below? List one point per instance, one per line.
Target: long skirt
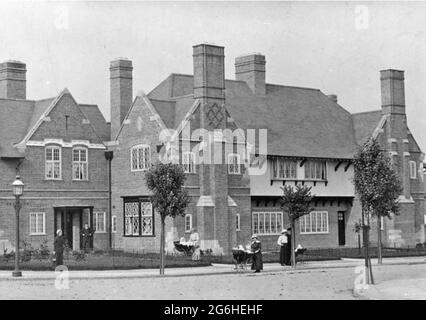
(288, 254)
(257, 262)
(59, 256)
(283, 254)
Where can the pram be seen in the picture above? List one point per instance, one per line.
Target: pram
(186, 249)
(242, 258)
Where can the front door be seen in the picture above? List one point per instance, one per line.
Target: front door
(341, 227)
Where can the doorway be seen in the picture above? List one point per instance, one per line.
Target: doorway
(341, 227)
(70, 220)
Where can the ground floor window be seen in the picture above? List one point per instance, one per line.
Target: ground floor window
(267, 222)
(237, 222)
(314, 222)
(114, 224)
(188, 222)
(138, 217)
(100, 222)
(37, 223)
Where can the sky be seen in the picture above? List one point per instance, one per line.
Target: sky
(337, 47)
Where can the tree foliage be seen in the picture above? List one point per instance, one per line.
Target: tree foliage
(296, 201)
(166, 182)
(376, 183)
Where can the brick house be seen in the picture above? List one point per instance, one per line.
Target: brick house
(57, 146)
(311, 140)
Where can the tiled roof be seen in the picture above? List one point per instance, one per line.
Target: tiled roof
(300, 121)
(364, 124)
(97, 120)
(18, 117)
(14, 120)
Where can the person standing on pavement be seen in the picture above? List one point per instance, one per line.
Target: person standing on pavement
(59, 245)
(194, 240)
(87, 234)
(282, 242)
(256, 248)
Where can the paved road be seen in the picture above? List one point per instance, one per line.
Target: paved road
(308, 284)
(396, 281)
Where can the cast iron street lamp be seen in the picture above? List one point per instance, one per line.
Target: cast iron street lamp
(18, 190)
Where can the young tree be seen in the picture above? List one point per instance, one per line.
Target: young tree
(169, 198)
(378, 188)
(296, 202)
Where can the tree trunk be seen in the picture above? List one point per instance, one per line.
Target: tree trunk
(162, 245)
(368, 255)
(365, 244)
(293, 244)
(379, 240)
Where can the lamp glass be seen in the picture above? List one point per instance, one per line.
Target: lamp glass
(18, 187)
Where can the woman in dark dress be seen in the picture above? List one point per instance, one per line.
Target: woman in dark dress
(256, 247)
(59, 245)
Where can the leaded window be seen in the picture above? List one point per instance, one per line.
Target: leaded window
(138, 217)
(140, 157)
(314, 222)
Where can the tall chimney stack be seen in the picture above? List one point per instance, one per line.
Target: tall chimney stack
(251, 69)
(393, 93)
(13, 80)
(121, 92)
(209, 72)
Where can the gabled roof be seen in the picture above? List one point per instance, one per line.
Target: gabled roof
(20, 118)
(300, 121)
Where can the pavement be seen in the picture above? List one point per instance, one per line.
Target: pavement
(215, 269)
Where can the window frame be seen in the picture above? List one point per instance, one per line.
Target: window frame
(53, 162)
(138, 200)
(289, 164)
(237, 222)
(188, 215)
(148, 162)
(79, 162)
(114, 224)
(237, 167)
(269, 213)
(95, 214)
(303, 222)
(323, 164)
(184, 159)
(43, 233)
(413, 169)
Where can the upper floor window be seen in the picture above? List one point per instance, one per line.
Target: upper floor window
(316, 170)
(140, 157)
(53, 163)
(188, 161)
(413, 173)
(284, 169)
(314, 222)
(188, 222)
(234, 164)
(79, 164)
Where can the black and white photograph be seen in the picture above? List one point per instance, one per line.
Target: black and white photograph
(212, 150)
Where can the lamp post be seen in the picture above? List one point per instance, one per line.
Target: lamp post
(18, 189)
